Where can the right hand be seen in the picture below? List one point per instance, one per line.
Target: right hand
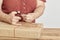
(14, 19)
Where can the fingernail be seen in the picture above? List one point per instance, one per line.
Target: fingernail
(18, 11)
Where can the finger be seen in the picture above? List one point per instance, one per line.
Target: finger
(14, 21)
(13, 13)
(17, 24)
(23, 15)
(15, 17)
(28, 20)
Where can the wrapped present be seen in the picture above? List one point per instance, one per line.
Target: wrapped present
(6, 29)
(25, 30)
(29, 30)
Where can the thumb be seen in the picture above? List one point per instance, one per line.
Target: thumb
(13, 13)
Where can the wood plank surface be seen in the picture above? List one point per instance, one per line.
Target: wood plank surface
(50, 34)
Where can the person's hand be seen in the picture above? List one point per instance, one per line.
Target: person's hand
(28, 17)
(14, 19)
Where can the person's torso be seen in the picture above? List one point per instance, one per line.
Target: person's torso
(24, 6)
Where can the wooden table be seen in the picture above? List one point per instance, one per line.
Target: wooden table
(51, 34)
(47, 34)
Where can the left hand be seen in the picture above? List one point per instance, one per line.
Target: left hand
(28, 17)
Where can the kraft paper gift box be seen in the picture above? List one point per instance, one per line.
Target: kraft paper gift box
(29, 30)
(6, 29)
(26, 30)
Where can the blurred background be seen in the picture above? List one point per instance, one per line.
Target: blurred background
(51, 16)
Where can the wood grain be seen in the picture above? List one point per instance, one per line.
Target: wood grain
(50, 34)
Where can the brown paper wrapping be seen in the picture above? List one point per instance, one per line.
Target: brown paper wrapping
(26, 30)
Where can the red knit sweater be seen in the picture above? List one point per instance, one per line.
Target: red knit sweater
(24, 6)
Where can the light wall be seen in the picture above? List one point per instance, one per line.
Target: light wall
(51, 16)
